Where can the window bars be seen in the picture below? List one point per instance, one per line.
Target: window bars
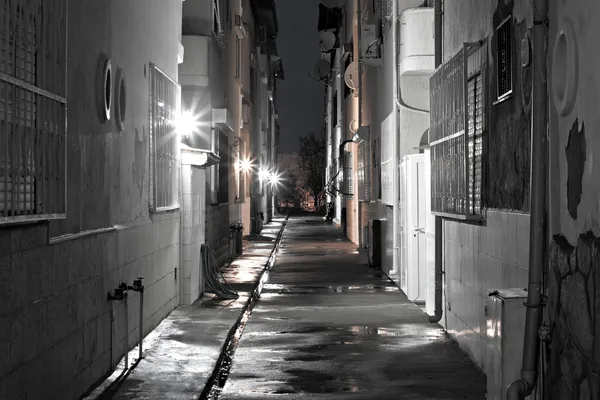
(165, 102)
(32, 110)
(458, 126)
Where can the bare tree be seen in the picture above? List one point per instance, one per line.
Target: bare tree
(311, 167)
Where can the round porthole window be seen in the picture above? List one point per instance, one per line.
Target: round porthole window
(106, 90)
(565, 69)
(121, 100)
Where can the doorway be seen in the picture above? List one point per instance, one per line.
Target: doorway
(417, 261)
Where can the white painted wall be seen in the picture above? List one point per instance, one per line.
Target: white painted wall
(193, 192)
(477, 259)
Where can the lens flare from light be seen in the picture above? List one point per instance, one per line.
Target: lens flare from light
(274, 178)
(187, 123)
(263, 174)
(245, 165)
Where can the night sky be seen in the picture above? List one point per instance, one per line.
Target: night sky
(300, 98)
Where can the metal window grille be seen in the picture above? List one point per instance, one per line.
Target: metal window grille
(456, 162)
(32, 110)
(223, 170)
(243, 176)
(348, 176)
(238, 55)
(237, 171)
(363, 171)
(504, 62)
(164, 143)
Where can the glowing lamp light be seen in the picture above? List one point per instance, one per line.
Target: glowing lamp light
(186, 123)
(263, 174)
(245, 165)
(274, 179)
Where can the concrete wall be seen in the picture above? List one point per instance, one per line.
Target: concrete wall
(495, 254)
(477, 259)
(574, 215)
(193, 235)
(55, 325)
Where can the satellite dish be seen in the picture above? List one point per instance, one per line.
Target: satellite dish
(353, 126)
(351, 75)
(322, 69)
(326, 41)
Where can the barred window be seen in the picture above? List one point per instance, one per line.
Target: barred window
(237, 171)
(164, 144)
(458, 126)
(504, 50)
(223, 169)
(348, 177)
(32, 110)
(364, 171)
(238, 56)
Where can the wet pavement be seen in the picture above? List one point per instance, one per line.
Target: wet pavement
(182, 352)
(327, 327)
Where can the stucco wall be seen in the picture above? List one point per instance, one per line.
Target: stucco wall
(193, 214)
(574, 277)
(55, 324)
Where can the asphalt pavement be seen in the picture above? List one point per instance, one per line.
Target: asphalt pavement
(327, 327)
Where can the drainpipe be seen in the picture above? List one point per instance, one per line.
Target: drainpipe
(395, 166)
(439, 222)
(539, 142)
(139, 287)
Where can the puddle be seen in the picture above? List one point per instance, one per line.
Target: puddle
(220, 374)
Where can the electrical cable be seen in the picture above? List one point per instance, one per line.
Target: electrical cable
(214, 280)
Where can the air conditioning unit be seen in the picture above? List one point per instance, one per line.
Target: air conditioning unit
(240, 30)
(505, 329)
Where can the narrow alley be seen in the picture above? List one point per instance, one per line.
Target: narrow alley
(328, 327)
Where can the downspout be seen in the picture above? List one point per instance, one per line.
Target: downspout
(539, 143)
(439, 222)
(395, 151)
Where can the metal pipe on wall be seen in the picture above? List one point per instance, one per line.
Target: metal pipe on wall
(439, 222)
(395, 151)
(539, 145)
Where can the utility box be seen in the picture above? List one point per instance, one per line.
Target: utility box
(505, 314)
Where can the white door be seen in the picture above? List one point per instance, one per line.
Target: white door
(417, 211)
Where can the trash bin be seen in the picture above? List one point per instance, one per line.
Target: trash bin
(237, 229)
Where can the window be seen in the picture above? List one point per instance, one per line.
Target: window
(237, 171)
(456, 157)
(164, 145)
(475, 141)
(348, 176)
(32, 111)
(363, 172)
(504, 50)
(238, 56)
(223, 169)
(220, 19)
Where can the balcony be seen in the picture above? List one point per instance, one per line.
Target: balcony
(417, 42)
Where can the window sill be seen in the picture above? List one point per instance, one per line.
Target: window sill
(164, 210)
(29, 219)
(503, 98)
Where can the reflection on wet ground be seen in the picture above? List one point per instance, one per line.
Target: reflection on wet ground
(327, 327)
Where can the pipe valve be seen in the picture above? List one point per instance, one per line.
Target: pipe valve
(137, 285)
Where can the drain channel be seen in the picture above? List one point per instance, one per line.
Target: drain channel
(219, 376)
